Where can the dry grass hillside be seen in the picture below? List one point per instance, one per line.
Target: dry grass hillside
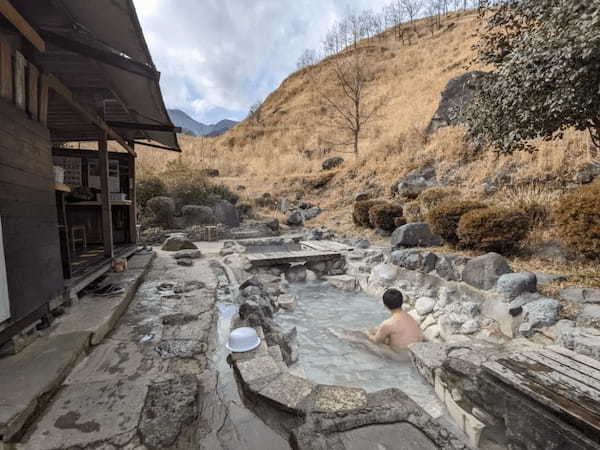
(283, 154)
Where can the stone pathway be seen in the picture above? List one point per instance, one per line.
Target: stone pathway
(152, 382)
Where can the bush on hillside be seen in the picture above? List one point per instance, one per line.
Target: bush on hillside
(577, 218)
(384, 216)
(360, 213)
(160, 212)
(444, 219)
(412, 212)
(493, 229)
(147, 188)
(437, 196)
(194, 189)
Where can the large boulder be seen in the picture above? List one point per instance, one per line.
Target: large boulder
(332, 163)
(511, 285)
(311, 213)
(540, 313)
(415, 235)
(161, 211)
(295, 219)
(227, 214)
(416, 182)
(177, 242)
(197, 215)
(576, 294)
(589, 317)
(384, 273)
(484, 271)
(456, 98)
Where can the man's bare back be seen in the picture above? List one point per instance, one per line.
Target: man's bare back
(400, 330)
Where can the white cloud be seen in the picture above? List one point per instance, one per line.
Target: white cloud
(217, 57)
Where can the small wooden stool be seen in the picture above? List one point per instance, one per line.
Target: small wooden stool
(78, 234)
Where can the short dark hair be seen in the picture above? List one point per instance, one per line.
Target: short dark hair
(392, 299)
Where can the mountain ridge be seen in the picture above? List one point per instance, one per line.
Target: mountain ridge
(192, 127)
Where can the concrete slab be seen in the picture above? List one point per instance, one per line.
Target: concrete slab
(29, 377)
(400, 436)
(87, 414)
(99, 315)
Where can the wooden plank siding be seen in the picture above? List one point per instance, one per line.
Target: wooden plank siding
(29, 216)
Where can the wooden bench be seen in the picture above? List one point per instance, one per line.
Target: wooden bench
(562, 381)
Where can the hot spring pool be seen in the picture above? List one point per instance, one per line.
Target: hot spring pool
(322, 313)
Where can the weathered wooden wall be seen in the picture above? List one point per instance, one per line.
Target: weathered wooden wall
(29, 216)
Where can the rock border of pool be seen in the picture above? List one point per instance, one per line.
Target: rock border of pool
(315, 414)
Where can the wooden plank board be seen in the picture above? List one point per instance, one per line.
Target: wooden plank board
(6, 71)
(587, 362)
(542, 394)
(555, 385)
(273, 258)
(572, 365)
(20, 63)
(33, 77)
(19, 22)
(326, 246)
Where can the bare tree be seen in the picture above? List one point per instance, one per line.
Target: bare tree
(412, 8)
(352, 105)
(308, 58)
(255, 113)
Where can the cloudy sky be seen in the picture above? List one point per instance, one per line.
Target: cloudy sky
(217, 57)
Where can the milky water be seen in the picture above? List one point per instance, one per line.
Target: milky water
(323, 317)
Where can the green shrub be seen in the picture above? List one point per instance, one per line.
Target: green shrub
(360, 212)
(412, 212)
(384, 216)
(444, 219)
(577, 217)
(493, 229)
(437, 196)
(160, 211)
(194, 189)
(147, 188)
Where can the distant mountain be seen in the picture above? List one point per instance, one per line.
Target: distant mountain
(192, 127)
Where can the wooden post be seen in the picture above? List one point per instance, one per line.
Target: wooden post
(132, 197)
(33, 81)
(107, 226)
(6, 71)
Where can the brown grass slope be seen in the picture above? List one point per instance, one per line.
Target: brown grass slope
(283, 153)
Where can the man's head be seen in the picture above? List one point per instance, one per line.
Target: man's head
(392, 299)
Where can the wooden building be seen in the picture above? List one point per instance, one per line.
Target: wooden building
(71, 71)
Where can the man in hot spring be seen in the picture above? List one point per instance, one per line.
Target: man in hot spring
(400, 330)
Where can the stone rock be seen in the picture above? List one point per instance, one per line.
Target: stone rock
(284, 205)
(227, 214)
(318, 234)
(273, 224)
(361, 197)
(456, 97)
(546, 279)
(424, 305)
(231, 248)
(311, 276)
(432, 333)
(551, 251)
(589, 317)
(451, 267)
(296, 274)
(253, 281)
(186, 262)
(471, 326)
(576, 294)
(170, 407)
(287, 302)
(384, 273)
(416, 182)
(587, 173)
(162, 211)
(414, 260)
(361, 243)
(212, 173)
(483, 272)
(415, 235)
(332, 163)
(240, 187)
(451, 324)
(429, 320)
(295, 219)
(197, 215)
(415, 315)
(175, 243)
(343, 282)
(511, 285)
(188, 254)
(581, 340)
(538, 314)
(311, 213)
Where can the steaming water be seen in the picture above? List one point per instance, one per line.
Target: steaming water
(322, 317)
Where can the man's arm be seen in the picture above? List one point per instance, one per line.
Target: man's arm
(380, 336)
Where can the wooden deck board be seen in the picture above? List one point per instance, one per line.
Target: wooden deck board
(561, 381)
(267, 259)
